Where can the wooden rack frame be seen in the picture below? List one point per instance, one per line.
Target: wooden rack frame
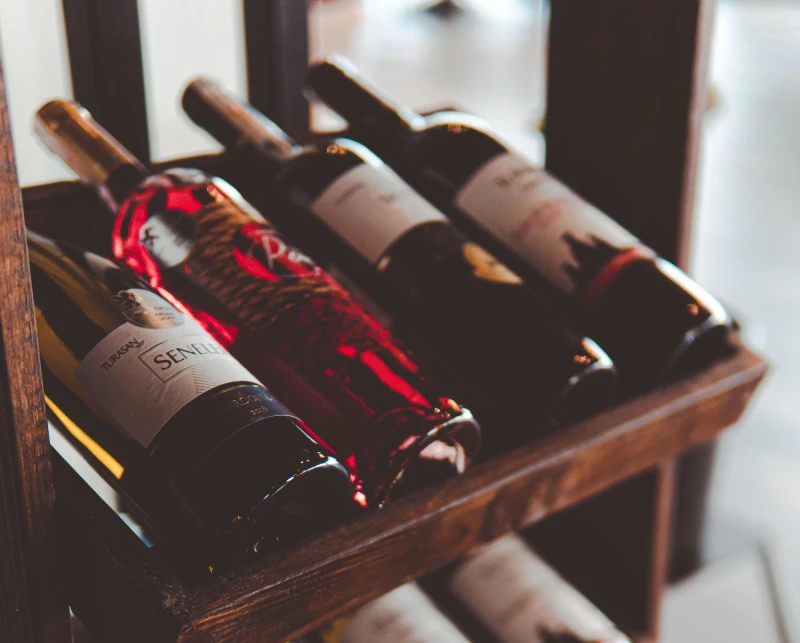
(626, 88)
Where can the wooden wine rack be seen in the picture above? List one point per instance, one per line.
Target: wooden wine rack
(626, 88)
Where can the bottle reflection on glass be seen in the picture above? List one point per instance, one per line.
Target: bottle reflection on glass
(497, 337)
(653, 320)
(505, 592)
(205, 456)
(195, 240)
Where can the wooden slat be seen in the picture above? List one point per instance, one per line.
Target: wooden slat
(105, 54)
(626, 96)
(276, 37)
(33, 608)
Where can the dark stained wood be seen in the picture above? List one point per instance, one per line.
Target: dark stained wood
(626, 97)
(283, 595)
(105, 54)
(276, 42)
(33, 607)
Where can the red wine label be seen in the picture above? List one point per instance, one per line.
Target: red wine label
(558, 234)
(154, 364)
(521, 599)
(370, 207)
(405, 615)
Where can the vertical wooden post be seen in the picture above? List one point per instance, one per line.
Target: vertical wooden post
(33, 608)
(276, 39)
(626, 97)
(105, 54)
(627, 93)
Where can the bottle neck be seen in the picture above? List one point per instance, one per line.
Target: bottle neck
(69, 131)
(339, 86)
(236, 124)
(120, 184)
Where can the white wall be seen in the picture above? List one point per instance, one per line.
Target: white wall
(181, 39)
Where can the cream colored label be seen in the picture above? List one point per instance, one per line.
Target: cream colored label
(405, 615)
(148, 369)
(542, 221)
(371, 207)
(523, 600)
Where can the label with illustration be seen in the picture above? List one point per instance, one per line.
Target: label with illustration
(370, 207)
(150, 367)
(405, 615)
(523, 600)
(549, 227)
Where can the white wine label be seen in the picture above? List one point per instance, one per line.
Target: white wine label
(542, 221)
(523, 600)
(148, 369)
(371, 207)
(405, 615)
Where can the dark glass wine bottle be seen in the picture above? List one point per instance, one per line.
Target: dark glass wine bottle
(195, 240)
(653, 320)
(504, 592)
(497, 335)
(207, 457)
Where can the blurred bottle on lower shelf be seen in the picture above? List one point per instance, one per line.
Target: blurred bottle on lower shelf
(404, 615)
(503, 592)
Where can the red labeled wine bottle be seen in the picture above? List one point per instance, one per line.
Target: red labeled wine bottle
(204, 454)
(653, 320)
(504, 592)
(203, 248)
(496, 334)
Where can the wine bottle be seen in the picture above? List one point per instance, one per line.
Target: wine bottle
(204, 454)
(497, 336)
(653, 320)
(203, 248)
(404, 615)
(506, 593)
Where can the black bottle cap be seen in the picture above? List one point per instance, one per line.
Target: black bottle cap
(232, 121)
(338, 83)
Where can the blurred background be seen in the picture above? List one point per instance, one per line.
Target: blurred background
(489, 58)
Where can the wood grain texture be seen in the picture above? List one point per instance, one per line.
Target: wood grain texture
(282, 595)
(276, 42)
(33, 607)
(626, 97)
(105, 55)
